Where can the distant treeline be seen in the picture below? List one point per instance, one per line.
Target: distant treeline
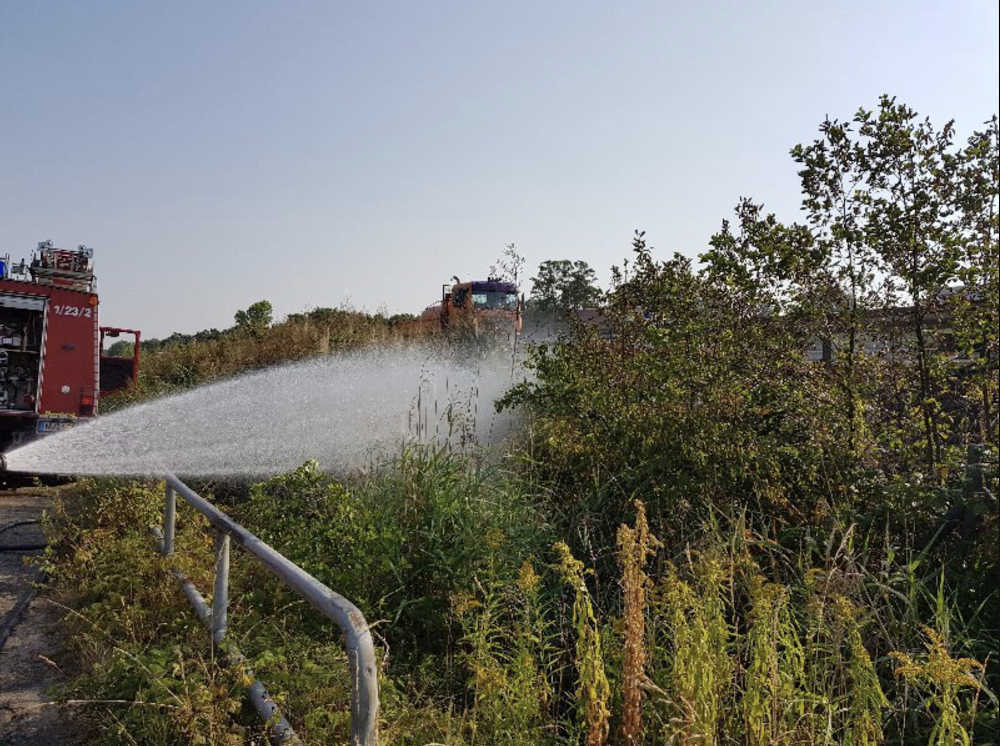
(253, 320)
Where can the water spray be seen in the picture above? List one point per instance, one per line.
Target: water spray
(346, 412)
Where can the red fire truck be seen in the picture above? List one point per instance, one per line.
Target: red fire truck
(52, 371)
(488, 306)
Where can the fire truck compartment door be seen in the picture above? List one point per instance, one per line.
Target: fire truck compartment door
(27, 302)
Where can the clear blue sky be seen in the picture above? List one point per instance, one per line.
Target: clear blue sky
(312, 153)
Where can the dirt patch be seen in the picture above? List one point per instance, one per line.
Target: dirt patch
(27, 714)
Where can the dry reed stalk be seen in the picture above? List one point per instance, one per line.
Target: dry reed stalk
(635, 545)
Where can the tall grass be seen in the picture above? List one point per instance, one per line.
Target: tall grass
(488, 633)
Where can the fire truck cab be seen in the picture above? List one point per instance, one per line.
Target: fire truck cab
(50, 343)
(481, 305)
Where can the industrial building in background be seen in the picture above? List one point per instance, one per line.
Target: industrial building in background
(52, 372)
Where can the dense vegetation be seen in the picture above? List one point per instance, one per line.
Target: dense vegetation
(702, 536)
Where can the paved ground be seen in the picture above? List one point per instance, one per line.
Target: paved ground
(27, 714)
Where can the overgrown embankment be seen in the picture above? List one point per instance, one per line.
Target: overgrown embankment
(491, 631)
(702, 536)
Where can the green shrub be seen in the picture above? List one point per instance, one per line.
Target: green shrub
(402, 542)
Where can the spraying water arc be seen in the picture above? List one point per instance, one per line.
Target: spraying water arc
(342, 411)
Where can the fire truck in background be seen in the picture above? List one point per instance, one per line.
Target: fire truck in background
(52, 372)
(482, 306)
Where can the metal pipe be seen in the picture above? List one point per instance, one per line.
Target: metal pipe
(281, 729)
(357, 636)
(220, 599)
(169, 521)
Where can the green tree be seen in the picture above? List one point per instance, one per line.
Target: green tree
(254, 319)
(896, 215)
(564, 285)
(121, 348)
(688, 395)
(911, 173)
(976, 307)
(761, 258)
(844, 291)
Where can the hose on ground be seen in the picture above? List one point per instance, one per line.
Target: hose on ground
(20, 547)
(13, 617)
(15, 524)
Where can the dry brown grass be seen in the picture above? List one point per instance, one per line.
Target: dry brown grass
(635, 546)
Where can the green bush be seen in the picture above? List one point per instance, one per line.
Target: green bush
(402, 542)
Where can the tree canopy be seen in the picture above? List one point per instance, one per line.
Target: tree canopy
(564, 285)
(256, 318)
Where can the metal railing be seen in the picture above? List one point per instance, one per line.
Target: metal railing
(357, 636)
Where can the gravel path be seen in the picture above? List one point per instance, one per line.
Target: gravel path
(27, 714)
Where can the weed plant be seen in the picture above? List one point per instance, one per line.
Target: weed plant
(733, 640)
